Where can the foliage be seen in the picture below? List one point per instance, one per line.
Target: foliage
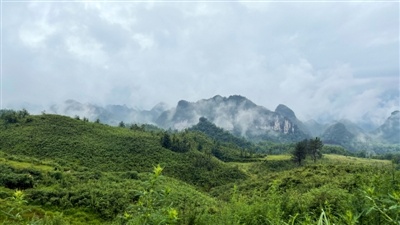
(10, 116)
(334, 149)
(274, 148)
(314, 148)
(219, 134)
(58, 170)
(300, 151)
(150, 207)
(79, 145)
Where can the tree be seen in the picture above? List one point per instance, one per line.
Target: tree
(180, 144)
(216, 150)
(121, 124)
(134, 127)
(9, 116)
(166, 141)
(200, 147)
(315, 148)
(23, 113)
(300, 151)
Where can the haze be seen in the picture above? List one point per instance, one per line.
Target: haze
(325, 60)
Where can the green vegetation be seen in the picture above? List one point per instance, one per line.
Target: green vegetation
(312, 147)
(59, 170)
(219, 134)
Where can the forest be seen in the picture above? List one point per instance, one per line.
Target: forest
(60, 170)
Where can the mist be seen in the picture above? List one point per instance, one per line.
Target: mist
(326, 61)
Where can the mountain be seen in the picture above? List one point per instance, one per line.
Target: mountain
(389, 131)
(237, 115)
(288, 113)
(352, 137)
(338, 134)
(109, 114)
(348, 135)
(219, 134)
(240, 117)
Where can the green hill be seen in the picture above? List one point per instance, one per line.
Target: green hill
(81, 146)
(59, 170)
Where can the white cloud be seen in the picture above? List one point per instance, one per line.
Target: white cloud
(145, 41)
(322, 60)
(35, 31)
(35, 34)
(86, 49)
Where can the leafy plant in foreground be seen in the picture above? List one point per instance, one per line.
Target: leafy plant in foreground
(150, 207)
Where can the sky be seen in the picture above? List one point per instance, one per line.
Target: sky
(324, 60)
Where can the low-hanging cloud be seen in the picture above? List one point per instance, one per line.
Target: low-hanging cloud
(325, 61)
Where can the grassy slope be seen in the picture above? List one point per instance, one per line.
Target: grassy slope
(336, 183)
(72, 143)
(92, 178)
(87, 197)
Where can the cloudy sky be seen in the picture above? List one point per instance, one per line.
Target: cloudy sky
(322, 59)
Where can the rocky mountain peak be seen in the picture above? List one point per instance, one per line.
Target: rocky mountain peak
(183, 104)
(241, 101)
(218, 98)
(285, 111)
(236, 114)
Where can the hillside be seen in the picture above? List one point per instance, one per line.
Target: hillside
(350, 136)
(59, 170)
(219, 134)
(389, 132)
(83, 145)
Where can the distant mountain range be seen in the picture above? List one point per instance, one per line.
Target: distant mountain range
(110, 114)
(241, 117)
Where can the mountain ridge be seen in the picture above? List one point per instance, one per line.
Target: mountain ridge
(236, 114)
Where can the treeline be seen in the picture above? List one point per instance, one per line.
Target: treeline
(175, 143)
(11, 116)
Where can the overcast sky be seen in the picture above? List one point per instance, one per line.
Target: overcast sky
(323, 60)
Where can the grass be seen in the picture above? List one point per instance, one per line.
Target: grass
(278, 157)
(354, 160)
(26, 165)
(79, 146)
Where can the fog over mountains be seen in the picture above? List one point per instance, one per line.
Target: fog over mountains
(241, 117)
(110, 114)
